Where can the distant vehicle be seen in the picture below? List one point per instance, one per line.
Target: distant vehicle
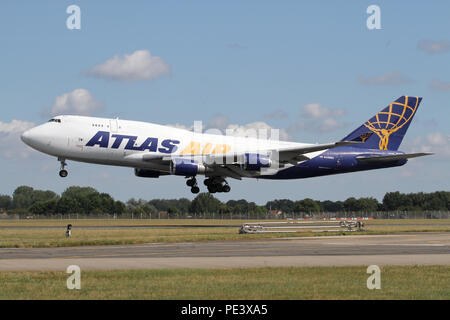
(155, 150)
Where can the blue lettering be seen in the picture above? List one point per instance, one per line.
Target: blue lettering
(151, 144)
(101, 138)
(119, 139)
(170, 146)
(131, 142)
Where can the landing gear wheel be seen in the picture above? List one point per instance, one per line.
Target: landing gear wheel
(217, 184)
(195, 189)
(191, 182)
(63, 172)
(212, 189)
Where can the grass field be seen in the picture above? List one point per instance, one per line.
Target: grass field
(398, 282)
(409, 282)
(143, 222)
(54, 237)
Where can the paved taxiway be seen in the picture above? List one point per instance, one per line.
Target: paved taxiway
(399, 249)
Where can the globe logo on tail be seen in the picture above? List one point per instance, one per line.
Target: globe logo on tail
(390, 120)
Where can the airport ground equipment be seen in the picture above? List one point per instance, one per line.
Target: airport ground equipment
(302, 226)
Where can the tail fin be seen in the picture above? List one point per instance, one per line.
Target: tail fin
(385, 131)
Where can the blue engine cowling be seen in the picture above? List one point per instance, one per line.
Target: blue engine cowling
(186, 167)
(255, 161)
(145, 173)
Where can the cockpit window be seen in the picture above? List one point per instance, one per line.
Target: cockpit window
(55, 120)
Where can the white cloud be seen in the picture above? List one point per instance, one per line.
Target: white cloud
(140, 65)
(317, 110)
(220, 125)
(219, 122)
(431, 46)
(319, 119)
(259, 130)
(277, 114)
(435, 142)
(438, 139)
(439, 85)
(391, 78)
(330, 124)
(180, 126)
(12, 146)
(77, 102)
(15, 126)
(317, 125)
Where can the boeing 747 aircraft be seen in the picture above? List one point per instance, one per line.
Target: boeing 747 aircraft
(156, 150)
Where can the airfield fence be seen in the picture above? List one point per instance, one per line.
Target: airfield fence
(245, 216)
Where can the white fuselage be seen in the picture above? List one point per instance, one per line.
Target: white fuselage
(123, 143)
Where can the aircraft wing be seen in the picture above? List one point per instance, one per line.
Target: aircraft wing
(291, 155)
(287, 154)
(389, 158)
(230, 164)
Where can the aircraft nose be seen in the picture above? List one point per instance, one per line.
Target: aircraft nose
(25, 137)
(35, 137)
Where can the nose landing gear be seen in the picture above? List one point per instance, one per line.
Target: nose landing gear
(63, 172)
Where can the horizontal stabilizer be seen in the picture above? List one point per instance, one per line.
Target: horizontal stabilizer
(389, 158)
(296, 154)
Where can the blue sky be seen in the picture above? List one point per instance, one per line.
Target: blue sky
(240, 62)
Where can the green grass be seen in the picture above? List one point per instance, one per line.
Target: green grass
(122, 222)
(20, 238)
(397, 282)
(155, 222)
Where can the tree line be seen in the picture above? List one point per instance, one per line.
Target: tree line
(88, 201)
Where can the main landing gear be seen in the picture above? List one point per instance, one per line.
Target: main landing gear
(214, 184)
(63, 172)
(192, 182)
(217, 184)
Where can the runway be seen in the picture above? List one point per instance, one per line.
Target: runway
(400, 249)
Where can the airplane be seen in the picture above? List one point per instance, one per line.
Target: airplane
(156, 150)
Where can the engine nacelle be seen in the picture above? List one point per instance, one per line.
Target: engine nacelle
(186, 167)
(145, 173)
(255, 161)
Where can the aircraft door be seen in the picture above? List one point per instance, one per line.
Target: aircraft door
(115, 128)
(114, 125)
(339, 161)
(78, 142)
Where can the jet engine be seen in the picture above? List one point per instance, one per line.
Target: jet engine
(186, 167)
(255, 161)
(145, 173)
